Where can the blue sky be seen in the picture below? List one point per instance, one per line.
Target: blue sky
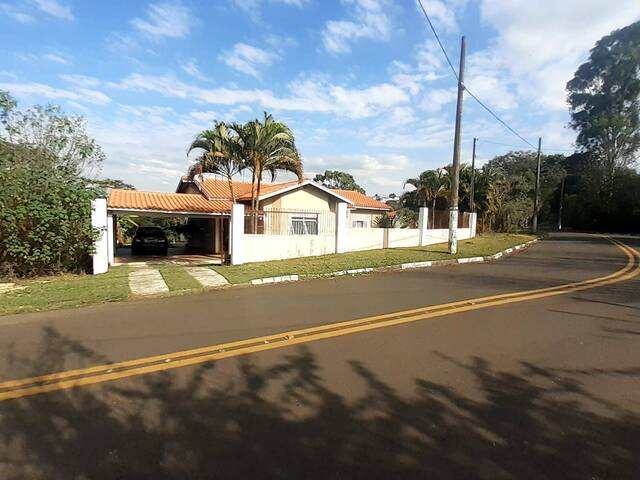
(361, 82)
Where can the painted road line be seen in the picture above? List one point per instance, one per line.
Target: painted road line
(103, 373)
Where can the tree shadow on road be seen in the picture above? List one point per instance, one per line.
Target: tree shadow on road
(283, 420)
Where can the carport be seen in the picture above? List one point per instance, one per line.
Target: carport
(206, 225)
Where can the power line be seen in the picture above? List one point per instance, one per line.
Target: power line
(499, 119)
(494, 115)
(455, 73)
(518, 146)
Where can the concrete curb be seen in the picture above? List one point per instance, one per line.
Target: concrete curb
(403, 266)
(284, 278)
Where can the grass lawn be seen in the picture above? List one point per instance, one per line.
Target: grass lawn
(477, 247)
(67, 291)
(177, 278)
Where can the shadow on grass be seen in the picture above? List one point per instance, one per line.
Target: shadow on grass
(283, 421)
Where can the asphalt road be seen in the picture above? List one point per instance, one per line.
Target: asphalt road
(543, 388)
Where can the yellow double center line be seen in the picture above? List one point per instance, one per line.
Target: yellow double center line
(103, 373)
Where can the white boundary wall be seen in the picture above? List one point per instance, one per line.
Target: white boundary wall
(259, 248)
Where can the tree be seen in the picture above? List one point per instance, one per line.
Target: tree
(45, 202)
(45, 214)
(222, 154)
(267, 146)
(338, 180)
(604, 99)
(429, 186)
(46, 128)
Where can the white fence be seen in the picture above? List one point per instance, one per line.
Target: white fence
(259, 248)
(262, 247)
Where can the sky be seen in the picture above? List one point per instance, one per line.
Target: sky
(361, 83)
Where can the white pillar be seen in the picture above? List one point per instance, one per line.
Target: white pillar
(111, 239)
(101, 245)
(453, 230)
(473, 221)
(341, 227)
(423, 224)
(236, 235)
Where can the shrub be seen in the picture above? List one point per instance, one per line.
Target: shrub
(45, 214)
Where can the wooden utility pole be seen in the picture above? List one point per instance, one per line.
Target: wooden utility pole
(536, 199)
(472, 193)
(455, 181)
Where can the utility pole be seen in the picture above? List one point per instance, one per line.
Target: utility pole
(472, 201)
(453, 203)
(537, 197)
(561, 206)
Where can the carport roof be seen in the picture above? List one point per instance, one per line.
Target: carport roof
(184, 203)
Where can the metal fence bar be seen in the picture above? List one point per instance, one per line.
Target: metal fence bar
(290, 222)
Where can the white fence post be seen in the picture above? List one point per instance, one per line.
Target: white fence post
(341, 227)
(111, 241)
(423, 224)
(236, 237)
(473, 221)
(101, 245)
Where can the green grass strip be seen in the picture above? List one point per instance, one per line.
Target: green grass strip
(177, 278)
(66, 291)
(480, 246)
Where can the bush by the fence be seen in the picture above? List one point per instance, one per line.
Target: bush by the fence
(45, 215)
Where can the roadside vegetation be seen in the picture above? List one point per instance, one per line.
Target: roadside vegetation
(68, 291)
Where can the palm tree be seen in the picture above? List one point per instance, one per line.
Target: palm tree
(429, 186)
(222, 154)
(267, 146)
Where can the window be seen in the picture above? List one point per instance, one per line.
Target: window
(359, 224)
(307, 225)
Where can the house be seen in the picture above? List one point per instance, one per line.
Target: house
(299, 207)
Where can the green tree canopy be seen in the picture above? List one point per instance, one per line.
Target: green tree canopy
(339, 180)
(604, 99)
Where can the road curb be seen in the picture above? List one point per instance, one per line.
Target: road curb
(403, 266)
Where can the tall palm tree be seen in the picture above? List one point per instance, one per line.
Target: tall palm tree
(268, 146)
(430, 185)
(222, 154)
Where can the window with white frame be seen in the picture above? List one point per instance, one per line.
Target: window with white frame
(359, 224)
(303, 224)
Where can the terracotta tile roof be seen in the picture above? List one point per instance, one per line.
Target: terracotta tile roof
(165, 202)
(219, 189)
(361, 200)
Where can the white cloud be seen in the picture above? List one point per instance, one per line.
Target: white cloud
(441, 15)
(369, 21)
(435, 99)
(50, 57)
(306, 95)
(191, 68)
(539, 45)
(166, 19)
(80, 80)
(378, 173)
(34, 89)
(56, 59)
(54, 8)
(247, 58)
(15, 13)
(253, 7)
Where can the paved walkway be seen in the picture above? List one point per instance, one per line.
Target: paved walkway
(146, 281)
(207, 276)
